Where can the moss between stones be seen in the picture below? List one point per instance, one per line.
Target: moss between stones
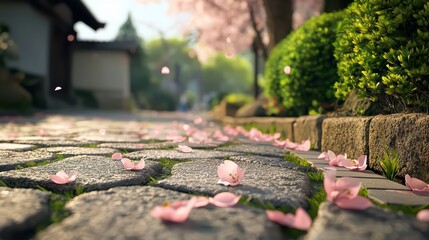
(167, 166)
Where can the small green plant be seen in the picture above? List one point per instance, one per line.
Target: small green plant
(315, 202)
(390, 164)
(167, 166)
(297, 160)
(2, 184)
(316, 176)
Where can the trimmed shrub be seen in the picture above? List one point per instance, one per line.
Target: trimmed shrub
(308, 81)
(382, 50)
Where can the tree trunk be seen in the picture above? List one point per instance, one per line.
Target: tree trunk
(334, 5)
(279, 19)
(255, 70)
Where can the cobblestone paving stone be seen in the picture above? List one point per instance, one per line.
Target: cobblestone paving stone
(56, 143)
(21, 211)
(173, 154)
(255, 148)
(11, 159)
(271, 161)
(81, 151)
(138, 146)
(17, 147)
(122, 213)
(373, 223)
(116, 202)
(279, 186)
(94, 173)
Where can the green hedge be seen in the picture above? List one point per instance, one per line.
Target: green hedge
(309, 52)
(383, 51)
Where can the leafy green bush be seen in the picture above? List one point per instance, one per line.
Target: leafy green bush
(382, 50)
(238, 98)
(309, 53)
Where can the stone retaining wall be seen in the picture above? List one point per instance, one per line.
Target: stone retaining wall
(408, 134)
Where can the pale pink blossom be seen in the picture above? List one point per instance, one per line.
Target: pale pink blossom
(301, 220)
(304, 146)
(344, 192)
(184, 149)
(175, 212)
(336, 160)
(230, 174)
(62, 177)
(323, 155)
(417, 185)
(423, 215)
(225, 199)
(117, 156)
(165, 70)
(128, 165)
(356, 165)
(287, 70)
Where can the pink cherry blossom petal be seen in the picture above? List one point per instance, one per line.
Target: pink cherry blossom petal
(62, 174)
(423, 215)
(72, 176)
(323, 155)
(201, 202)
(287, 70)
(178, 214)
(57, 88)
(301, 220)
(356, 203)
(416, 184)
(128, 165)
(59, 179)
(117, 156)
(140, 165)
(165, 70)
(184, 149)
(229, 173)
(225, 199)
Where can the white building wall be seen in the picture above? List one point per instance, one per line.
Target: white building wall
(105, 73)
(31, 31)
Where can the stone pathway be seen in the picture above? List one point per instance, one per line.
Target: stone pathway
(108, 202)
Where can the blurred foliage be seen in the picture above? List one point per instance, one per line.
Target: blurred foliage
(184, 71)
(139, 71)
(8, 48)
(382, 50)
(238, 98)
(308, 51)
(227, 75)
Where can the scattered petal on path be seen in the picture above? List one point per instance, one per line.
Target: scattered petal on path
(62, 177)
(117, 156)
(128, 165)
(229, 173)
(225, 199)
(301, 220)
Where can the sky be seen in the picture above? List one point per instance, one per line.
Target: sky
(149, 19)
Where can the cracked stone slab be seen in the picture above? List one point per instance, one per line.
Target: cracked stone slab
(55, 143)
(81, 150)
(16, 146)
(272, 161)
(94, 173)
(123, 213)
(21, 211)
(256, 149)
(280, 186)
(10, 159)
(138, 146)
(107, 138)
(373, 223)
(176, 155)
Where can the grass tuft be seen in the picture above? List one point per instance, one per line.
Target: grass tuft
(390, 164)
(297, 160)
